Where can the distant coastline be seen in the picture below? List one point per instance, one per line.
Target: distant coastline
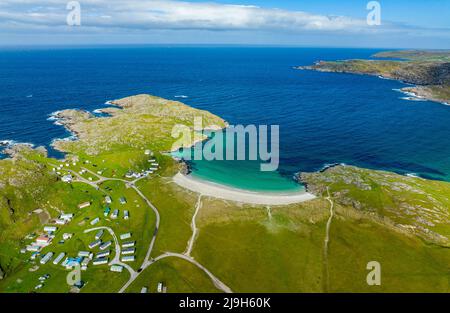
(428, 71)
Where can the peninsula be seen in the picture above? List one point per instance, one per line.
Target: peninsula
(428, 70)
(118, 206)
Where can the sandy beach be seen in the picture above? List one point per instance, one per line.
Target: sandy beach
(228, 193)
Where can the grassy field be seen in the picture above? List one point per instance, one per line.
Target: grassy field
(177, 275)
(400, 222)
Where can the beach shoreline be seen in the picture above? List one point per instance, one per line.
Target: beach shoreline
(223, 192)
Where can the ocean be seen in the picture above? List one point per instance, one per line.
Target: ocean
(324, 118)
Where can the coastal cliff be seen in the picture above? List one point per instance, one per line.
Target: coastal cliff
(429, 70)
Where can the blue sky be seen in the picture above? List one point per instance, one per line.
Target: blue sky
(404, 23)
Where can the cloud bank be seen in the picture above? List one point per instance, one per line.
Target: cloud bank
(143, 16)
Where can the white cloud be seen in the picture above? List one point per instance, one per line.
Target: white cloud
(152, 16)
(157, 14)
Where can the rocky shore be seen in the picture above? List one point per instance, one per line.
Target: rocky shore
(428, 71)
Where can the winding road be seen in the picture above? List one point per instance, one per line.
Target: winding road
(147, 261)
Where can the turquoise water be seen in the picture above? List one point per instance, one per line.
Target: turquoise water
(242, 174)
(324, 118)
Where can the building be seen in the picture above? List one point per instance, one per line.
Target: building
(84, 205)
(128, 244)
(116, 268)
(59, 258)
(128, 251)
(105, 245)
(128, 258)
(122, 200)
(66, 216)
(95, 221)
(147, 152)
(115, 214)
(94, 244)
(46, 258)
(100, 261)
(102, 254)
(106, 211)
(33, 248)
(125, 236)
(66, 178)
(144, 290)
(43, 240)
(108, 200)
(85, 263)
(160, 287)
(84, 254)
(67, 236)
(99, 234)
(50, 229)
(60, 222)
(126, 215)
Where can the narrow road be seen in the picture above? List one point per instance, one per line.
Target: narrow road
(327, 239)
(148, 261)
(217, 282)
(191, 241)
(116, 259)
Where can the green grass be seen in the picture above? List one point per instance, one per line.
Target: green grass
(251, 253)
(407, 263)
(177, 274)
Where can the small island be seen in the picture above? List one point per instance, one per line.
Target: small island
(428, 70)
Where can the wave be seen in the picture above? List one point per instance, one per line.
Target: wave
(414, 175)
(181, 96)
(412, 99)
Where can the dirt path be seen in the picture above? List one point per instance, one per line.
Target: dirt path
(326, 241)
(191, 241)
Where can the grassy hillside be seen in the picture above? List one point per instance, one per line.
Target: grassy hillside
(400, 222)
(430, 70)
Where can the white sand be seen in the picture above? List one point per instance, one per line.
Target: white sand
(227, 193)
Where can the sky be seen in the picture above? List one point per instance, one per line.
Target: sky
(313, 23)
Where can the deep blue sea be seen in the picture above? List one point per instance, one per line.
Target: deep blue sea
(324, 117)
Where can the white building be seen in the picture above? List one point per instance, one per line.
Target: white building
(128, 258)
(60, 222)
(128, 244)
(59, 258)
(95, 221)
(105, 245)
(126, 215)
(84, 254)
(94, 244)
(160, 287)
(66, 216)
(66, 178)
(102, 254)
(84, 205)
(125, 236)
(99, 234)
(108, 199)
(100, 261)
(50, 229)
(128, 251)
(115, 214)
(67, 236)
(116, 268)
(46, 258)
